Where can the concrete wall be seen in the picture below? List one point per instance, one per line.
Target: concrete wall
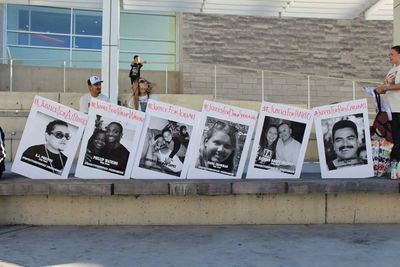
(201, 210)
(396, 22)
(350, 49)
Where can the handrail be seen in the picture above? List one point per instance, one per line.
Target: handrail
(219, 65)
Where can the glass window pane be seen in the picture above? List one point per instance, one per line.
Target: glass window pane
(147, 46)
(86, 59)
(50, 21)
(17, 18)
(49, 57)
(49, 40)
(87, 42)
(147, 26)
(14, 38)
(23, 20)
(87, 22)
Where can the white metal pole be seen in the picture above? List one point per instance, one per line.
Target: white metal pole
(65, 63)
(262, 85)
(11, 75)
(166, 79)
(215, 82)
(354, 90)
(308, 91)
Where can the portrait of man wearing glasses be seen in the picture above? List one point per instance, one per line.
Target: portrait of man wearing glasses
(49, 156)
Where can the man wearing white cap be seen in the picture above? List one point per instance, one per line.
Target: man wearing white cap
(94, 85)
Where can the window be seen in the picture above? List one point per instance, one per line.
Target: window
(75, 36)
(50, 21)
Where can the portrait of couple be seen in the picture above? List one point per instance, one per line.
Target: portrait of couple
(344, 141)
(279, 145)
(221, 146)
(104, 149)
(166, 146)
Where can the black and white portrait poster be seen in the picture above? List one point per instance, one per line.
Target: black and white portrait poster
(110, 141)
(344, 144)
(222, 142)
(166, 142)
(50, 140)
(280, 141)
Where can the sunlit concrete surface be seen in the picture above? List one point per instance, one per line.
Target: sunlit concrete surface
(279, 245)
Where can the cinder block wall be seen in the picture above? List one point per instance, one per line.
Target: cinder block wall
(349, 49)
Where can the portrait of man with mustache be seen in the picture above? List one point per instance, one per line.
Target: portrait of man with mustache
(345, 145)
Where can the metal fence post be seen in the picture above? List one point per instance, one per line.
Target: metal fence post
(12, 133)
(215, 82)
(308, 91)
(262, 85)
(166, 79)
(11, 75)
(65, 63)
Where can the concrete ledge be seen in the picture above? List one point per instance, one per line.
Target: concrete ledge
(259, 187)
(126, 188)
(84, 187)
(198, 202)
(80, 188)
(55, 187)
(24, 188)
(344, 186)
(205, 187)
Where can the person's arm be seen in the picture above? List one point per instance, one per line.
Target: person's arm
(130, 103)
(389, 84)
(384, 88)
(177, 145)
(150, 160)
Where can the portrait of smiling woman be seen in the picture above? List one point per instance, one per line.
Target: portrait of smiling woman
(221, 147)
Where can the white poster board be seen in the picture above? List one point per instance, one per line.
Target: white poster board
(166, 142)
(49, 141)
(344, 144)
(222, 142)
(280, 141)
(110, 141)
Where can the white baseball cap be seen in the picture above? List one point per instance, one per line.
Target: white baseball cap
(95, 79)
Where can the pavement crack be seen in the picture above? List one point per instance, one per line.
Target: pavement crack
(17, 229)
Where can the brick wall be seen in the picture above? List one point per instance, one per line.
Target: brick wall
(348, 49)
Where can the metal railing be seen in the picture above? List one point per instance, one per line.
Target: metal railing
(220, 81)
(217, 80)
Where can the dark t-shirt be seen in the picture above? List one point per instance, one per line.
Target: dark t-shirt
(331, 166)
(42, 158)
(2, 151)
(135, 71)
(116, 159)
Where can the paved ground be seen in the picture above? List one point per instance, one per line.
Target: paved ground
(191, 246)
